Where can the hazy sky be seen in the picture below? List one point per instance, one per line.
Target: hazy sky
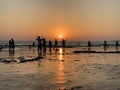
(74, 19)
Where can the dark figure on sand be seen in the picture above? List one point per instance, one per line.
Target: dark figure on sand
(117, 44)
(50, 45)
(89, 45)
(33, 44)
(56, 43)
(63, 43)
(105, 45)
(11, 44)
(39, 43)
(44, 45)
(0, 47)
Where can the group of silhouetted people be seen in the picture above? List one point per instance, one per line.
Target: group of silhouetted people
(42, 44)
(40, 40)
(105, 45)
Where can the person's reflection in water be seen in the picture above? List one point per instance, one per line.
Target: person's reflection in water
(11, 54)
(39, 57)
(33, 51)
(39, 54)
(56, 50)
(63, 51)
(44, 53)
(89, 46)
(50, 52)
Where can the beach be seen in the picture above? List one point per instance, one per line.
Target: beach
(59, 44)
(59, 70)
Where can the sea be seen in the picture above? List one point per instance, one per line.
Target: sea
(59, 69)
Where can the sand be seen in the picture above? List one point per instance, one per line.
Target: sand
(59, 71)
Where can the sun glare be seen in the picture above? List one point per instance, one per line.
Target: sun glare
(60, 36)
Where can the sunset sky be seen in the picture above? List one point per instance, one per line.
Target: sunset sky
(73, 19)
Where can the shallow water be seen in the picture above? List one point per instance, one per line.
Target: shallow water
(60, 70)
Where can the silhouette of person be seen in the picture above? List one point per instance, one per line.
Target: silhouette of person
(44, 45)
(0, 47)
(105, 45)
(39, 43)
(89, 45)
(33, 44)
(50, 45)
(63, 43)
(116, 45)
(29, 46)
(12, 44)
(56, 43)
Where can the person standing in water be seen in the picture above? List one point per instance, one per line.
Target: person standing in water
(105, 45)
(56, 43)
(44, 45)
(117, 44)
(89, 45)
(12, 43)
(63, 43)
(39, 43)
(9, 44)
(33, 44)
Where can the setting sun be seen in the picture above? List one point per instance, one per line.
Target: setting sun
(60, 36)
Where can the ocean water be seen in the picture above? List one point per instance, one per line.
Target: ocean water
(59, 69)
(68, 43)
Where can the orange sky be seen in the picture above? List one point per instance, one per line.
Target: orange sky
(74, 19)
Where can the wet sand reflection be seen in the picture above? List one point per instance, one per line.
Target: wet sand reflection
(61, 70)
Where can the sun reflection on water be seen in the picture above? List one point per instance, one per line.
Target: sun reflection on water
(61, 72)
(61, 54)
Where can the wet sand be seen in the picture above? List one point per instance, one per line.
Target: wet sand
(59, 70)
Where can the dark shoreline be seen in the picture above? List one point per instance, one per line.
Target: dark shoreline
(96, 52)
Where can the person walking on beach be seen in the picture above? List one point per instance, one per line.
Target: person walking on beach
(63, 43)
(39, 43)
(89, 45)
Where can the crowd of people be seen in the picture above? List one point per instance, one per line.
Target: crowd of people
(41, 44)
(105, 45)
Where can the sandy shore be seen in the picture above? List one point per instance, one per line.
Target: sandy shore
(67, 71)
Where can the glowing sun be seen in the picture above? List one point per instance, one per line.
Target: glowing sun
(60, 36)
